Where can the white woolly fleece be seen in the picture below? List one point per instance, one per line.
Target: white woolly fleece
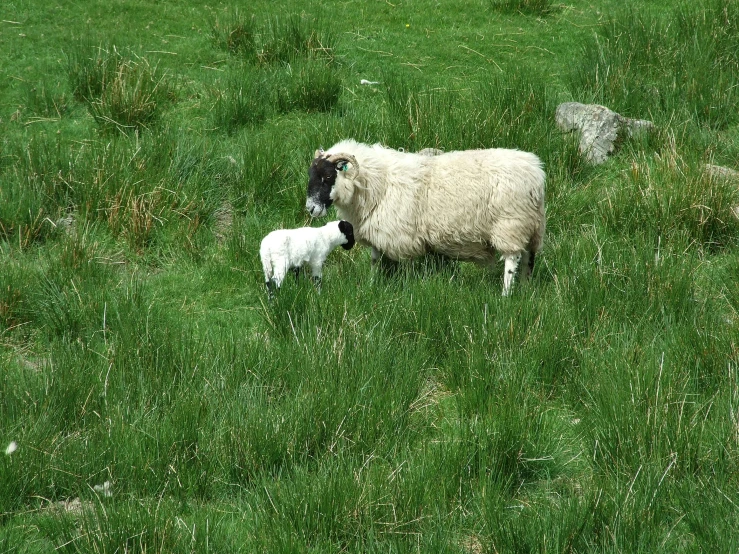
(471, 205)
(285, 249)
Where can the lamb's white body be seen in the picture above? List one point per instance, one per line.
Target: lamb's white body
(471, 205)
(287, 249)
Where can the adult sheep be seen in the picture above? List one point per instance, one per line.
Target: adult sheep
(468, 205)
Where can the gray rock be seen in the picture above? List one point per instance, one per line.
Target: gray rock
(637, 127)
(720, 172)
(724, 174)
(224, 221)
(600, 128)
(66, 224)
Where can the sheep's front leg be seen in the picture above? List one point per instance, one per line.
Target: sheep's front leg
(380, 260)
(376, 255)
(509, 273)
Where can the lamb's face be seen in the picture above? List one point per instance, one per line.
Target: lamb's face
(321, 179)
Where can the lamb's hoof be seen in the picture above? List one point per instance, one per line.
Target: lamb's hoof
(317, 283)
(270, 286)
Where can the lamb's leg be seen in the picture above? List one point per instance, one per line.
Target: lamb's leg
(509, 273)
(279, 275)
(270, 286)
(317, 275)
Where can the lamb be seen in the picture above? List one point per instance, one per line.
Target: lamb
(468, 205)
(286, 249)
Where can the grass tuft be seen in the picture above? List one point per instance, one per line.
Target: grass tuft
(89, 68)
(528, 7)
(311, 86)
(506, 111)
(44, 101)
(236, 35)
(278, 41)
(122, 93)
(133, 98)
(675, 201)
(678, 65)
(288, 39)
(244, 101)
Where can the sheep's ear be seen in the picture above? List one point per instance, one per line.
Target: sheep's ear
(345, 162)
(319, 153)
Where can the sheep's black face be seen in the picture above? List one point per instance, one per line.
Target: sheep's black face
(346, 228)
(321, 179)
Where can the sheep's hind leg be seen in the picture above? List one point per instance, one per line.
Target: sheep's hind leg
(509, 273)
(526, 264)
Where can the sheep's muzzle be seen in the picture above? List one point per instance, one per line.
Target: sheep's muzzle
(321, 179)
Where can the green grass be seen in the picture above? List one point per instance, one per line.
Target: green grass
(123, 93)
(680, 65)
(529, 7)
(594, 410)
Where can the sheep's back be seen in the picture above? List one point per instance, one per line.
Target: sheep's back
(479, 200)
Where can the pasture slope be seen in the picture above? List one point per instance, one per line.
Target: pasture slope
(153, 400)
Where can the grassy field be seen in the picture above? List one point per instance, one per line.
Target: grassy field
(147, 147)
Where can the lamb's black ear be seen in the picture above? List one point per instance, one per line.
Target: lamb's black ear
(346, 227)
(348, 231)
